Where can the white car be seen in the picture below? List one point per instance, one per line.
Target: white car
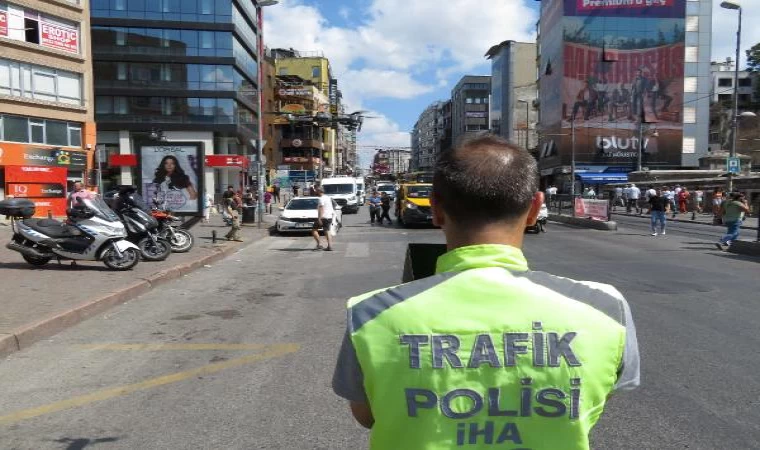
(300, 213)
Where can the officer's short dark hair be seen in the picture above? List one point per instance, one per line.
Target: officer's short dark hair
(484, 180)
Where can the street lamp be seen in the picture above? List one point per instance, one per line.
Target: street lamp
(734, 4)
(527, 123)
(260, 138)
(572, 161)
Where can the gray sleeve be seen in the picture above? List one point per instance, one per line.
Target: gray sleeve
(348, 380)
(629, 377)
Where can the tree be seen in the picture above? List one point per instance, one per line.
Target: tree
(753, 58)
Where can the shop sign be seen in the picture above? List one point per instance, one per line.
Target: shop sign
(296, 92)
(293, 108)
(36, 190)
(60, 37)
(3, 23)
(21, 155)
(296, 143)
(475, 114)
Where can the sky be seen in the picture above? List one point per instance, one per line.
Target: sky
(395, 57)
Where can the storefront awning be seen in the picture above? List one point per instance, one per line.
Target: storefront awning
(602, 178)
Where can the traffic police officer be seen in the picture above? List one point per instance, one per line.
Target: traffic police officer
(486, 353)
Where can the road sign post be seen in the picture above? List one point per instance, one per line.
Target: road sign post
(734, 165)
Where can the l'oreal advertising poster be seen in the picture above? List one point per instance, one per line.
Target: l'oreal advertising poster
(170, 175)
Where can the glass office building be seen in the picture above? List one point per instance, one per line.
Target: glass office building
(179, 71)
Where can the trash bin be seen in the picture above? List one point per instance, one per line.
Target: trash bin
(249, 214)
(421, 260)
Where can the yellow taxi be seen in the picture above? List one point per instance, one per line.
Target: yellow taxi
(413, 204)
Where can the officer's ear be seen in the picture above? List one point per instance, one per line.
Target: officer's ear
(535, 208)
(439, 218)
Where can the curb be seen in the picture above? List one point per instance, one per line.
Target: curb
(27, 335)
(583, 222)
(744, 227)
(745, 248)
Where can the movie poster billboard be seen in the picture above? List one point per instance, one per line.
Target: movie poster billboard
(170, 173)
(623, 65)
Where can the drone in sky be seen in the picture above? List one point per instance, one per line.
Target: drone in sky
(352, 121)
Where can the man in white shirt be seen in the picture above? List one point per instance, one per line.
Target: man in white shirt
(633, 198)
(325, 214)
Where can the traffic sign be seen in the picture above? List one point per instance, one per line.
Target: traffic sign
(734, 165)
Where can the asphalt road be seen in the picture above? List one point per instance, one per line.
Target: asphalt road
(240, 355)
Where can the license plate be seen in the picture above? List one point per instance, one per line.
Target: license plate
(303, 225)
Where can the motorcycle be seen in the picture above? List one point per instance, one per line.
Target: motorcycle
(181, 240)
(93, 232)
(142, 227)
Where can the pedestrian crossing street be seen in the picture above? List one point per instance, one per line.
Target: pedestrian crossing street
(302, 248)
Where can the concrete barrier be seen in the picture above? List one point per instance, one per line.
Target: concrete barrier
(584, 222)
(745, 248)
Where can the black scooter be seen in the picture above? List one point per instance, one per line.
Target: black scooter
(142, 227)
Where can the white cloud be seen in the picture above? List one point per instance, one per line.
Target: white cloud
(724, 30)
(376, 83)
(396, 41)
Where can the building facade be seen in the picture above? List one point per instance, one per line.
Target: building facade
(47, 129)
(513, 92)
(723, 85)
(171, 73)
(307, 144)
(431, 135)
(630, 81)
(470, 106)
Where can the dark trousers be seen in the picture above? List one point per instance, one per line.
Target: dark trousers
(385, 215)
(632, 204)
(374, 213)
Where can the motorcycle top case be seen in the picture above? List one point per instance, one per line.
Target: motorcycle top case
(17, 207)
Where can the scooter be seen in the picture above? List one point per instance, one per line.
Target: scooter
(142, 227)
(181, 240)
(93, 232)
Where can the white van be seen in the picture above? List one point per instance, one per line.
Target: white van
(343, 191)
(361, 191)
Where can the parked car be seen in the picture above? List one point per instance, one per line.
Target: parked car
(300, 213)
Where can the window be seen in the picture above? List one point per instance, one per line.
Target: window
(689, 145)
(689, 114)
(315, 72)
(745, 82)
(41, 83)
(724, 97)
(469, 101)
(692, 23)
(745, 98)
(725, 82)
(691, 55)
(37, 131)
(283, 71)
(40, 131)
(690, 84)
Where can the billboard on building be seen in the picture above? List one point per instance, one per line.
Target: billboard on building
(171, 174)
(58, 36)
(622, 64)
(3, 23)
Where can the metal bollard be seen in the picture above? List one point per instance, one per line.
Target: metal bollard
(213, 236)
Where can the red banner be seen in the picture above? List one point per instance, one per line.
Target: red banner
(62, 38)
(3, 23)
(122, 160)
(226, 161)
(582, 61)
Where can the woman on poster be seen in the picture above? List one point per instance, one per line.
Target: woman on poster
(172, 182)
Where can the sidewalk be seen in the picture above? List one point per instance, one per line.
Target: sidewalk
(40, 302)
(702, 219)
